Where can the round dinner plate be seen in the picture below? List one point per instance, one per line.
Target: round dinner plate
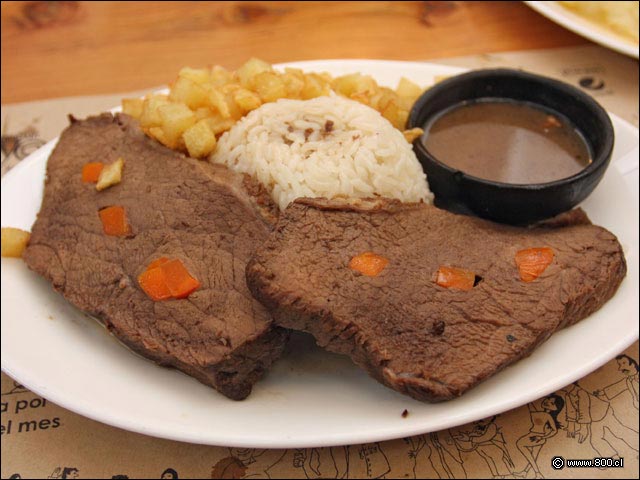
(585, 27)
(310, 398)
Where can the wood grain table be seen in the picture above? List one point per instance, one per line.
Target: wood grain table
(64, 48)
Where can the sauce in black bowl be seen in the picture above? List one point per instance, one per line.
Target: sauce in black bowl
(507, 200)
(506, 141)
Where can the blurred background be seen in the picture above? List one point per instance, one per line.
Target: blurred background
(55, 49)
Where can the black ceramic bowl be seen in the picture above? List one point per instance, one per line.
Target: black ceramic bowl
(503, 202)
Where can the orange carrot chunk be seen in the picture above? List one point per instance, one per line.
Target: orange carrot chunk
(368, 263)
(154, 283)
(91, 172)
(532, 262)
(158, 262)
(114, 221)
(456, 278)
(179, 281)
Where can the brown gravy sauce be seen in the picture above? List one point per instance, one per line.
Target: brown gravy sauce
(507, 141)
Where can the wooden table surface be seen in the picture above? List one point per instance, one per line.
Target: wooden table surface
(57, 49)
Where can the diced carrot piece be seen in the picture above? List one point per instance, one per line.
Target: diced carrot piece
(532, 262)
(456, 278)
(154, 283)
(91, 172)
(114, 221)
(179, 281)
(368, 263)
(158, 262)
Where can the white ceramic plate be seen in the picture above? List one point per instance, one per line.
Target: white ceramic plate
(310, 398)
(585, 27)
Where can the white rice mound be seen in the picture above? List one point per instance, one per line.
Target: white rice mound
(294, 150)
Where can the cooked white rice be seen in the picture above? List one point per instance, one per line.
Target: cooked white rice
(325, 147)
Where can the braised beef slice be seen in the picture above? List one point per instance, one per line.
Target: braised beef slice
(429, 342)
(206, 216)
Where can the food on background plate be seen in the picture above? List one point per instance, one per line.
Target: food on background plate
(619, 17)
(205, 102)
(206, 221)
(428, 339)
(325, 147)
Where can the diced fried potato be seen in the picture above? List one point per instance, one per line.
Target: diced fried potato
(406, 88)
(293, 84)
(235, 112)
(348, 85)
(251, 69)
(269, 86)
(296, 72)
(220, 76)
(159, 135)
(217, 101)
(313, 87)
(401, 119)
(390, 112)
(110, 175)
(246, 99)
(150, 116)
(14, 241)
(132, 106)
(201, 76)
(199, 139)
(220, 125)
(412, 134)
(222, 97)
(176, 118)
(202, 112)
(188, 92)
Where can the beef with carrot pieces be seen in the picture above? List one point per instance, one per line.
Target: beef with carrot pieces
(450, 308)
(173, 290)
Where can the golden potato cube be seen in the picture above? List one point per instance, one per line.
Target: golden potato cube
(132, 106)
(110, 175)
(269, 86)
(201, 76)
(217, 101)
(150, 116)
(402, 116)
(406, 88)
(362, 97)
(246, 99)
(383, 98)
(159, 135)
(188, 92)
(390, 112)
(176, 118)
(199, 139)
(220, 125)
(250, 69)
(313, 87)
(14, 241)
(412, 134)
(220, 76)
(293, 84)
(296, 72)
(202, 112)
(347, 85)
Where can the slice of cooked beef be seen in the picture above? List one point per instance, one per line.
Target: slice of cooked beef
(424, 340)
(178, 208)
